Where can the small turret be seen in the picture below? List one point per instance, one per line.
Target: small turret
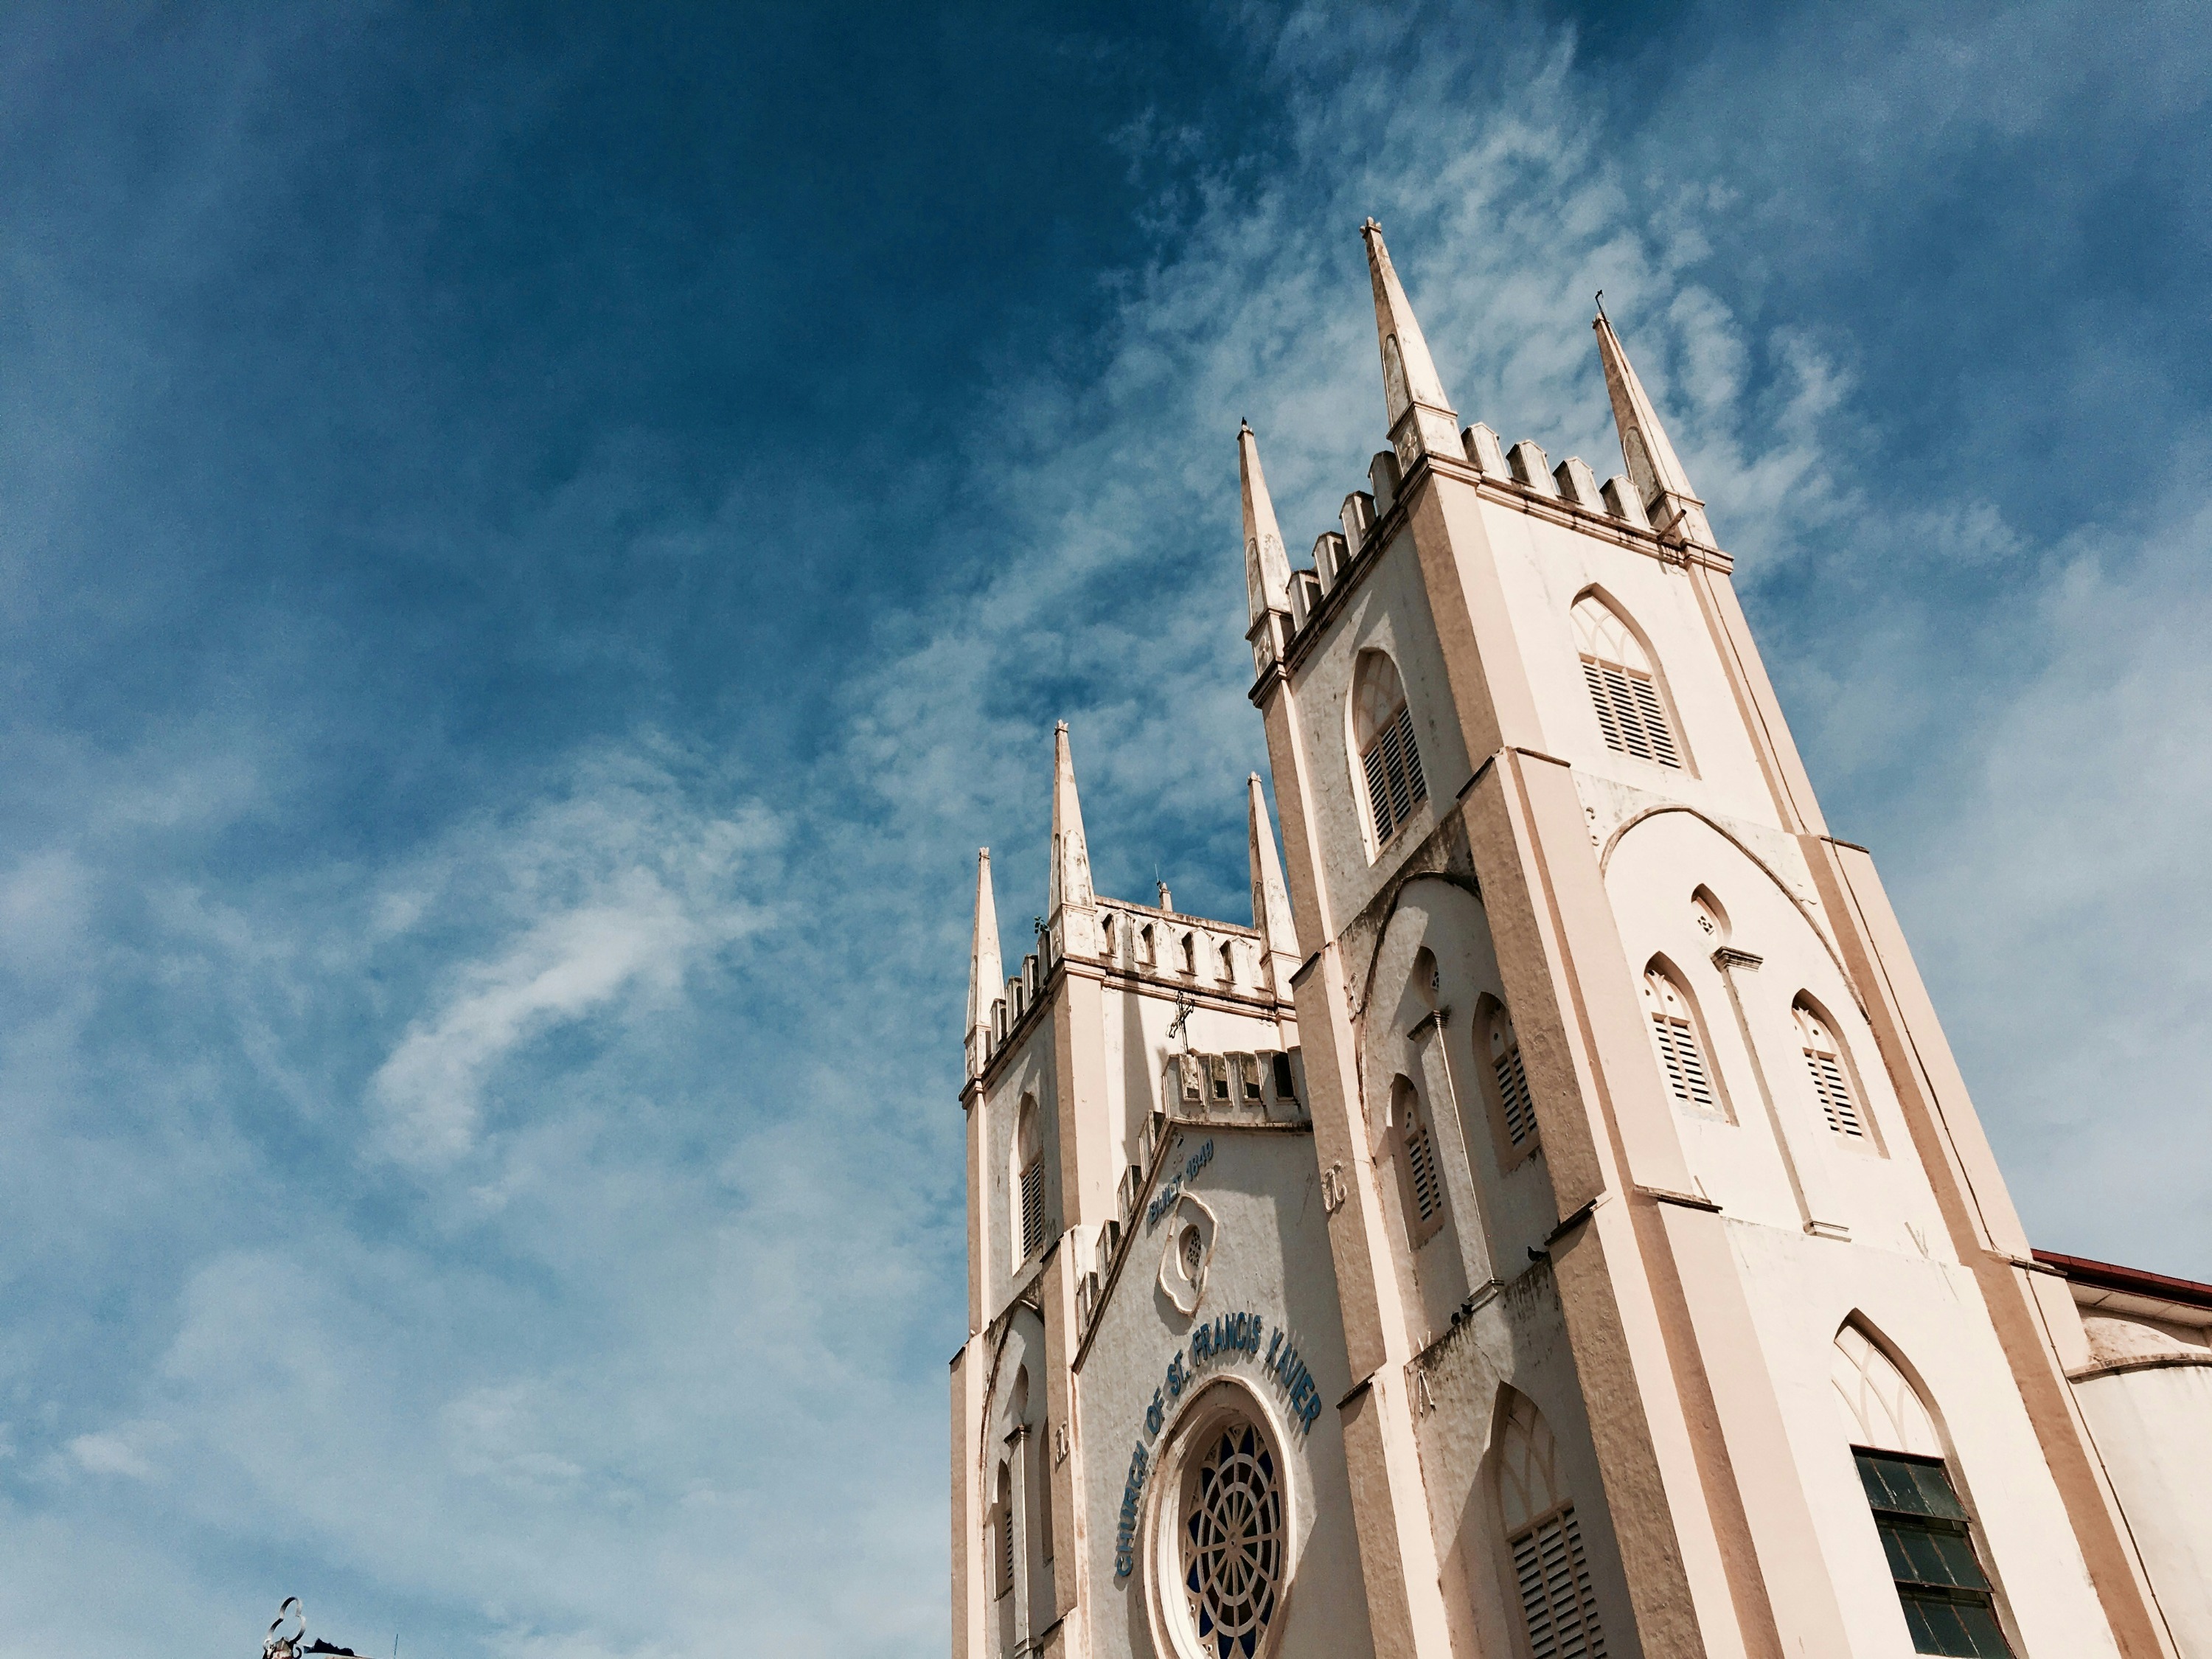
(1270, 901)
(1070, 918)
(1674, 510)
(1266, 567)
(985, 974)
(1422, 421)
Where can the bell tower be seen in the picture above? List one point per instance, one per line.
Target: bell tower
(1649, 1147)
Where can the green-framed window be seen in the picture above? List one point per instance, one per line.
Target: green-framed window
(1947, 1596)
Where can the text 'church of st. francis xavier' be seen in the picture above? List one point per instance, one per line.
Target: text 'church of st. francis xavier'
(1556, 1226)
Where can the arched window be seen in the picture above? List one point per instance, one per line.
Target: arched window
(1830, 1083)
(1189, 954)
(1543, 1539)
(1106, 936)
(1382, 728)
(1029, 1151)
(1681, 1052)
(1517, 1110)
(1148, 950)
(1428, 980)
(1422, 1177)
(1228, 962)
(1949, 1605)
(1002, 1538)
(1624, 689)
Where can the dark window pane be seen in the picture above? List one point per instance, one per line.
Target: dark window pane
(1924, 1536)
(1936, 1628)
(1923, 1559)
(1960, 1566)
(1908, 1485)
(1967, 1630)
(1980, 1624)
(1900, 1563)
(1929, 1554)
(1935, 1491)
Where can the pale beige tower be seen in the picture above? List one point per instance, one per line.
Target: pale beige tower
(1670, 1234)
(1556, 1228)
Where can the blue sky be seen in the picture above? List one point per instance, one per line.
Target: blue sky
(534, 544)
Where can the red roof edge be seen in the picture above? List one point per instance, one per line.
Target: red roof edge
(2135, 1281)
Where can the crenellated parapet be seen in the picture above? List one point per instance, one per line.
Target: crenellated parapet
(1649, 505)
(1142, 946)
(1370, 519)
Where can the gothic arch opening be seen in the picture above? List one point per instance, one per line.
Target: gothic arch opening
(1513, 1109)
(1627, 692)
(1546, 1560)
(1938, 1564)
(1387, 760)
(1029, 1197)
(1678, 1033)
(1834, 1076)
(1421, 1169)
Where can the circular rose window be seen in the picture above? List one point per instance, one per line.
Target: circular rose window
(1231, 1540)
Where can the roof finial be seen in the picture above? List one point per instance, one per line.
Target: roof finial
(1271, 904)
(987, 979)
(1422, 420)
(1266, 567)
(1069, 884)
(1653, 467)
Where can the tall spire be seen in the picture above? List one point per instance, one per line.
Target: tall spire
(986, 977)
(1266, 567)
(1270, 903)
(1422, 420)
(1653, 467)
(1071, 856)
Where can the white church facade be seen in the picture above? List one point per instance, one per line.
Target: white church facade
(1555, 1227)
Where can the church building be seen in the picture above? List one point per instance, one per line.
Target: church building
(1555, 1227)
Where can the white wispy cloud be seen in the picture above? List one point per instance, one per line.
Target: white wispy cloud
(598, 900)
(550, 1223)
(111, 1454)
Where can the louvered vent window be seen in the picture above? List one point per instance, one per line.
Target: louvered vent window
(1623, 688)
(1389, 760)
(1556, 1604)
(1948, 1605)
(1032, 1210)
(1519, 1111)
(1681, 1056)
(1544, 1539)
(1423, 1178)
(1002, 1552)
(1421, 1169)
(1830, 1087)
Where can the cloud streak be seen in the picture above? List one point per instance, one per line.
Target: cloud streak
(494, 1158)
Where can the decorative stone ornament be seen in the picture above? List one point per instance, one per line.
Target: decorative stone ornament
(1187, 1253)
